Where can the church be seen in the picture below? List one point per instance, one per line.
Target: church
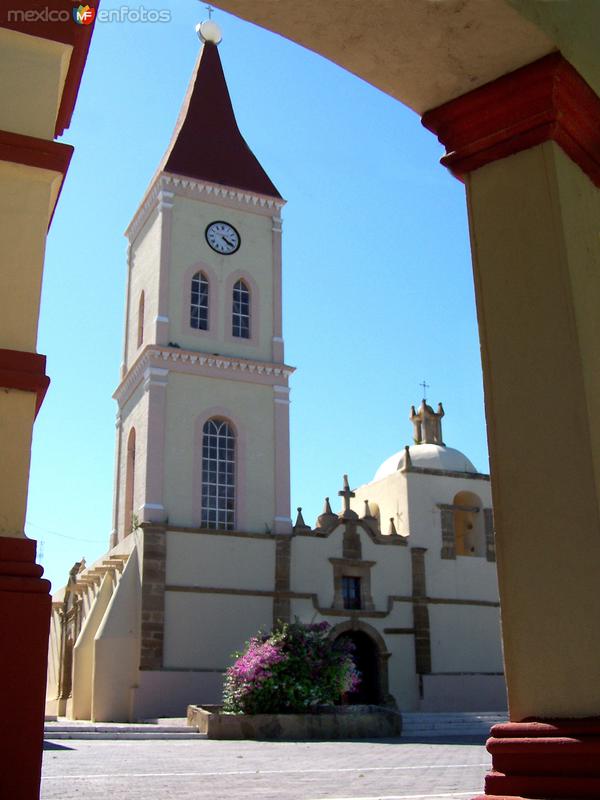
(204, 550)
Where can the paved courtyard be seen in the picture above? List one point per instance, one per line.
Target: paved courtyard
(393, 769)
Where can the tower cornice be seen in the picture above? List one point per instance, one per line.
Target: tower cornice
(165, 186)
(191, 362)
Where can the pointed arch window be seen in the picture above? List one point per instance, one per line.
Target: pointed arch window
(218, 475)
(140, 330)
(199, 302)
(241, 310)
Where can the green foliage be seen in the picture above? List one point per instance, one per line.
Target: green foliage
(291, 670)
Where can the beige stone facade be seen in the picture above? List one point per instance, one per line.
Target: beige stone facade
(203, 550)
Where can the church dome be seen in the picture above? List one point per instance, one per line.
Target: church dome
(427, 456)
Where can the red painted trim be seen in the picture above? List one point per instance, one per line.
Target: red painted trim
(544, 758)
(40, 24)
(26, 372)
(546, 100)
(34, 152)
(25, 607)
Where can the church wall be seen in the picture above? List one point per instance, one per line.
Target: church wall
(143, 276)
(392, 572)
(475, 628)
(134, 414)
(310, 567)
(83, 652)
(390, 494)
(253, 261)
(463, 693)
(250, 407)
(52, 676)
(203, 630)
(203, 559)
(117, 648)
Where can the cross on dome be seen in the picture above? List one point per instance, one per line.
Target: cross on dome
(425, 387)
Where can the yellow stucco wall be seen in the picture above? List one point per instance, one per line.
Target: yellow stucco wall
(16, 419)
(543, 444)
(33, 74)
(26, 201)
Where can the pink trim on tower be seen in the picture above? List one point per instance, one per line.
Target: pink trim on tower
(277, 341)
(165, 211)
(281, 427)
(240, 465)
(213, 301)
(232, 279)
(152, 508)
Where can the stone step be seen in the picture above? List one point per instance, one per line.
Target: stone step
(121, 734)
(81, 729)
(449, 724)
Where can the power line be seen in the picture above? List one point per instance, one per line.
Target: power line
(63, 535)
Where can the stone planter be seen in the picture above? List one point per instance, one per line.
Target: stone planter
(339, 722)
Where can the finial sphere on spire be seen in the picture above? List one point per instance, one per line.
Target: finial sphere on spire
(209, 31)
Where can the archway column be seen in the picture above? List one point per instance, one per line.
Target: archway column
(528, 149)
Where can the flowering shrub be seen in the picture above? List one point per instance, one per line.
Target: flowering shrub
(291, 670)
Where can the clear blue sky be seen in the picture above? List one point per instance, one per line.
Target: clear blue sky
(378, 290)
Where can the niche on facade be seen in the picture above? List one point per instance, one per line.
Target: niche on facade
(469, 525)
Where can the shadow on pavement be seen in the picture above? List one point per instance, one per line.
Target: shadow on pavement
(54, 746)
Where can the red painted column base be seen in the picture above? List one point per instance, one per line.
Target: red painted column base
(555, 758)
(25, 607)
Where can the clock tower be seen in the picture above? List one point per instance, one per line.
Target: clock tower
(203, 406)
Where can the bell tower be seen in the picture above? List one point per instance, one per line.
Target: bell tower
(203, 406)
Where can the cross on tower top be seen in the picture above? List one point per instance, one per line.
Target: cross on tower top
(347, 494)
(210, 10)
(425, 387)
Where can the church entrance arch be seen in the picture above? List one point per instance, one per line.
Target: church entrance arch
(371, 659)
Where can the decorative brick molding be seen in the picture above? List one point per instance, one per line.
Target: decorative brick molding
(192, 362)
(545, 100)
(383, 654)
(153, 596)
(448, 540)
(545, 758)
(352, 547)
(490, 539)
(283, 557)
(353, 568)
(420, 612)
(26, 372)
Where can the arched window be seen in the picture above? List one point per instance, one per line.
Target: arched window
(130, 482)
(241, 310)
(469, 525)
(218, 475)
(140, 330)
(199, 304)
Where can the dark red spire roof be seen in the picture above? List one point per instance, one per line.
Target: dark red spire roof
(207, 144)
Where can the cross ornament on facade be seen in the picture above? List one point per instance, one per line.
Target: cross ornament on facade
(347, 494)
(425, 387)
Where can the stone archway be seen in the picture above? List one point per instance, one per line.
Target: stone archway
(371, 657)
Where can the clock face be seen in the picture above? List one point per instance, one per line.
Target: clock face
(222, 237)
